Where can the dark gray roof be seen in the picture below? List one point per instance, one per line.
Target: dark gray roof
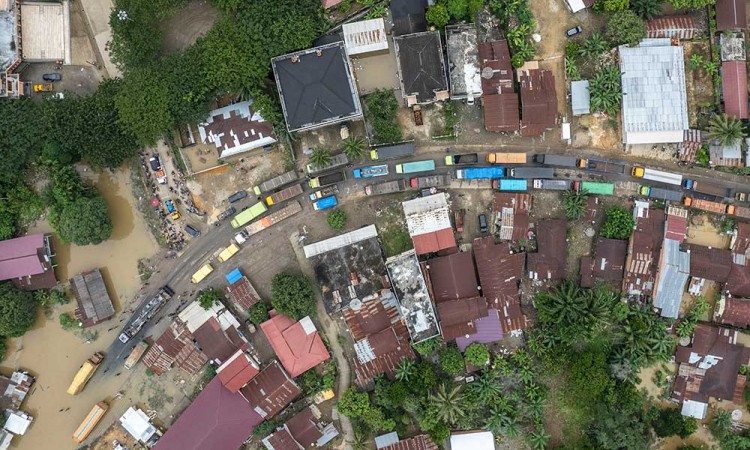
(316, 87)
(94, 303)
(408, 16)
(421, 66)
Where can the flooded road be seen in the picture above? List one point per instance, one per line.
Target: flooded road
(54, 355)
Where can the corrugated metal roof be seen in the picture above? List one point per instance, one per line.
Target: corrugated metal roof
(731, 14)
(734, 87)
(580, 97)
(674, 271)
(681, 27)
(452, 277)
(549, 261)
(237, 371)
(654, 104)
(538, 101)
(501, 112)
(270, 391)
(20, 257)
(365, 36)
(340, 241)
(500, 272)
(643, 252)
(609, 259)
(94, 303)
(488, 329)
(420, 442)
(710, 263)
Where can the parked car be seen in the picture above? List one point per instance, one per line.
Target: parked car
(573, 31)
(52, 77)
(155, 163)
(483, 223)
(192, 231)
(43, 87)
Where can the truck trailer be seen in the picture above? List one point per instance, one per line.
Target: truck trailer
(594, 188)
(707, 188)
(661, 194)
(136, 355)
(336, 161)
(480, 173)
(325, 192)
(271, 219)
(461, 159)
(371, 171)
(325, 203)
(556, 160)
(656, 175)
(506, 158)
(89, 422)
(249, 214)
(596, 165)
(386, 187)
(427, 165)
(284, 195)
(429, 181)
(276, 182)
(392, 151)
(85, 373)
(325, 180)
(707, 205)
(552, 185)
(510, 184)
(532, 172)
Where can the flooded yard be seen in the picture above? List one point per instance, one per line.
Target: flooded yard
(52, 354)
(703, 231)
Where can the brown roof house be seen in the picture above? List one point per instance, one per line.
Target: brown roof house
(731, 14)
(240, 291)
(175, 346)
(732, 311)
(538, 99)
(429, 223)
(235, 129)
(707, 263)
(607, 265)
(27, 262)
(644, 249)
(94, 304)
(709, 368)
(499, 97)
(500, 271)
(549, 261)
(512, 219)
(270, 391)
(304, 430)
(381, 339)
(738, 283)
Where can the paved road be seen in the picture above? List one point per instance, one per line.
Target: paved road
(177, 273)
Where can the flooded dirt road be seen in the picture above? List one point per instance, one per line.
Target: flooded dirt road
(54, 355)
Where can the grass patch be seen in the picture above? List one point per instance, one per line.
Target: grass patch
(392, 229)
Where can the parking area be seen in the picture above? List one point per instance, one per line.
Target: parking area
(81, 80)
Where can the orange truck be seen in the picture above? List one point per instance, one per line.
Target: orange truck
(706, 205)
(90, 422)
(506, 158)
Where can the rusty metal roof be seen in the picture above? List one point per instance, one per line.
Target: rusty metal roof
(270, 391)
(681, 27)
(538, 101)
(734, 85)
(731, 14)
(452, 277)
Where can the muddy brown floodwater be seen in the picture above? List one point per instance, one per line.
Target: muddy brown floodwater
(52, 354)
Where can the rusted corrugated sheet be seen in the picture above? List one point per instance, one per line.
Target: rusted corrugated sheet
(731, 14)
(734, 85)
(682, 27)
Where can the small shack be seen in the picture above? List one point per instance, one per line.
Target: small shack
(94, 304)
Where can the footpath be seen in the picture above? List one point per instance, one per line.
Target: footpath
(96, 13)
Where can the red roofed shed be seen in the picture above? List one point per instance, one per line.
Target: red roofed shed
(434, 241)
(538, 101)
(239, 369)
(731, 14)
(734, 85)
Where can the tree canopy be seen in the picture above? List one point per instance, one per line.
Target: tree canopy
(17, 310)
(292, 295)
(625, 27)
(691, 4)
(618, 223)
(84, 221)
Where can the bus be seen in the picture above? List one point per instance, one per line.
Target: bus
(416, 166)
(595, 188)
(249, 214)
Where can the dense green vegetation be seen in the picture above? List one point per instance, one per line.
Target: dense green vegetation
(618, 223)
(574, 203)
(518, 24)
(209, 297)
(336, 219)
(292, 295)
(381, 110)
(259, 312)
(17, 310)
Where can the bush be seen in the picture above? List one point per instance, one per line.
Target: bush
(438, 16)
(618, 223)
(625, 27)
(292, 295)
(337, 219)
(208, 298)
(67, 322)
(451, 361)
(611, 5)
(477, 354)
(428, 347)
(671, 422)
(17, 310)
(382, 109)
(259, 313)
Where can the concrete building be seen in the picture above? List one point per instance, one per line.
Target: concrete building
(429, 223)
(421, 68)
(235, 129)
(411, 291)
(463, 62)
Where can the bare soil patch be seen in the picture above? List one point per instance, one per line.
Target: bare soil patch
(187, 25)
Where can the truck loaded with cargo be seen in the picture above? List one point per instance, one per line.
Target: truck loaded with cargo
(596, 165)
(510, 184)
(480, 173)
(461, 159)
(136, 355)
(325, 192)
(556, 160)
(532, 172)
(325, 203)
(90, 422)
(336, 161)
(661, 194)
(276, 182)
(392, 151)
(707, 205)
(594, 188)
(656, 175)
(429, 181)
(271, 219)
(284, 195)
(707, 188)
(387, 187)
(427, 165)
(553, 185)
(85, 373)
(506, 158)
(371, 171)
(325, 180)
(146, 313)
(228, 252)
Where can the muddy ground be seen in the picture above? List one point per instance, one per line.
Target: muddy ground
(187, 25)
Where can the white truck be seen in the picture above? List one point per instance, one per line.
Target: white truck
(553, 185)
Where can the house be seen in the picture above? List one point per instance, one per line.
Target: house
(304, 430)
(381, 339)
(237, 371)
(17, 422)
(549, 261)
(138, 425)
(316, 87)
(27, 262)
(538, 100)
(731, 15)
(408, 16)
(500, 271)
(235, 129)
(726, 155)
(512, 215)
(499, 97)
(215, 330)
(463, 62)
(216, 419)
(419, 442)
(680, 27)
(674, 264)
(709, 263)
(429, 223)
(46, 32)
(738, 282)
(644, 250)
(734, 88)
(175, 345)
(654, 101)
(297, 344)
(365, 36)
(733, 312)
(270, 391)
(421, 68)
(94, 304)
(240, 291)
(411, 291)
(472, 440)
(709, 368)
(452, 277)
(607, 265)
(580, 97)
(349, 268)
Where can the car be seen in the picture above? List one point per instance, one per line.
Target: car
(483, 223)
(52, 77)
(155, 163)
(43, 87)
(573, 31)
(192, 231)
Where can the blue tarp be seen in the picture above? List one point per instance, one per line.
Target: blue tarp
(480, 173)
(233, 276)
(512, 185)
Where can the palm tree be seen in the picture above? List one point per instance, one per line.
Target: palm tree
(360, 442)
(595, 45)
(320, 158)
(487, 388)
(646, 9)
(512, 429)
(725, 130)
(448, 405)
(574, 203)
(405, 370)
(538, 439)
(354, 147)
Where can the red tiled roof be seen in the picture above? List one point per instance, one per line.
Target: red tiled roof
(538, 101)
(730, 14)
(452, 277)
(734, 85)
(735, 312)
(420, 442)
(682, 27)
(216, 420)
(297, 344)
(270, 391)
(434, 241)
(237, 371)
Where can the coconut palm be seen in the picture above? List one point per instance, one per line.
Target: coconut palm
(487, 388)
(448, 405)
(725, 130)
(595, 45)
(512, 429)
(320, 158)
(538, 439)
(360, 442)
(646, 9)
(574, 203)
(354, 147)
(405, 369)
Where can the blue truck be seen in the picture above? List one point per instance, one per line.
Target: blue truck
(325, 203)
(371, 171)
(480, 173)
(510, 184)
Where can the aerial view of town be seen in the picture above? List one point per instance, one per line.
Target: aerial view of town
(374, 225)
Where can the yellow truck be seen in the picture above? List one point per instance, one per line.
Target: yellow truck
(90, 422)
(228, 253)
(43, 87)
(202, 273)
(85, 373)
(506, 158)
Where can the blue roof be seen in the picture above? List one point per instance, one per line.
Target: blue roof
(233, 276)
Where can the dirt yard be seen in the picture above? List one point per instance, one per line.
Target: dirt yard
(187, 25)
(703, 231)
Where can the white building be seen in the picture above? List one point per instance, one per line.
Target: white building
(137, 424)
(235, 129)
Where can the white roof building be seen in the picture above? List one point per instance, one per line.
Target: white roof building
(654, 101)
(427, 214)
(137, 424)
(236, 129)
(472, 440)
(580, 97)
(18, 422)
(365, 36)
(193, 316)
